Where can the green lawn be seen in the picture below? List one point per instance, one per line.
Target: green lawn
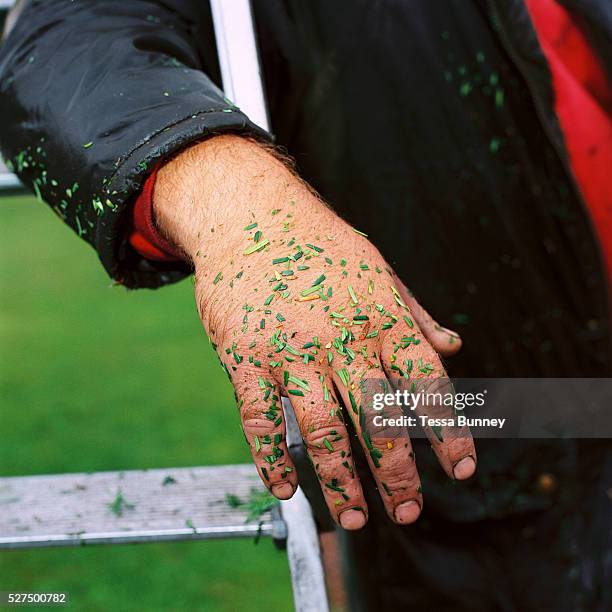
(97, 378)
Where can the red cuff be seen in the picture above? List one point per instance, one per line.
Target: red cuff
(144, 236)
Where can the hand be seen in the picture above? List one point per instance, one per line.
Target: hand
(298, 303)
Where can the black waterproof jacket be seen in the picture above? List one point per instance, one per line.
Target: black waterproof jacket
(429, 125)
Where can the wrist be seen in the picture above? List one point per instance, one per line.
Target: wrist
(206, 195)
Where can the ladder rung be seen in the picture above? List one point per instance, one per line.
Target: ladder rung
(131, 506)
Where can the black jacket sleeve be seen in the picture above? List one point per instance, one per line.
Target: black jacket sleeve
(93, 94)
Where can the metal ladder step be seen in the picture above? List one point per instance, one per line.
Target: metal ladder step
(131, 506)
(139, 506)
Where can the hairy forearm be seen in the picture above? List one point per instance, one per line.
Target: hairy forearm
(207, 195)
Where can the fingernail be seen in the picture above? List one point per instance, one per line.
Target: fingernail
(450, 332)
(464, 468)
(352, 519)
(407, 512)
(284, 490)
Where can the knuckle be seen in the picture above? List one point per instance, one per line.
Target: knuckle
(402, 340)
(258, 426)
(400, 475)
(253, 375)
(201, 308)
(326, 439)
(337, 470)
(426, 363)
(257, 408)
